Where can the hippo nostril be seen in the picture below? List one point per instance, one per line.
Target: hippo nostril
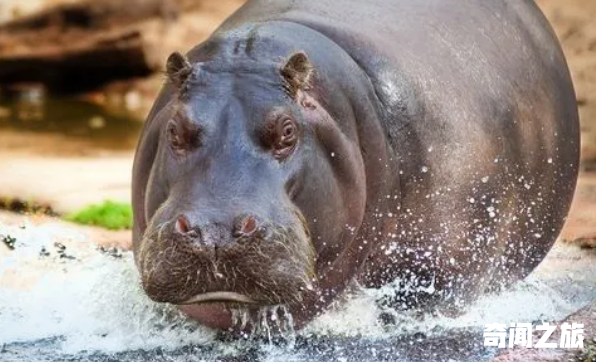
(247, 226)
(183, 227)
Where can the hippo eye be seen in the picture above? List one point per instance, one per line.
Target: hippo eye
(288, 130)
(280, 136)
(183, 134)
(176, 139)
(286, 137)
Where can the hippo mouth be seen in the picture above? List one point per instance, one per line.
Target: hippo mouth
(271, 268)
(220, 297)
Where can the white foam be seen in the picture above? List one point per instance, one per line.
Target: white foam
(528, 301)
(95, 302)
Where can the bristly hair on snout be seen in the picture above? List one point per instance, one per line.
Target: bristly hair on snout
(271, 267)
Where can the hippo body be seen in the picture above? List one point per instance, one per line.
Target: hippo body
(436, 146)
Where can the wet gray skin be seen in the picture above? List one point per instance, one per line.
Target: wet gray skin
(293, 152)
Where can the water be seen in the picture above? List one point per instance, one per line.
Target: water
(32, 120)
(62, 299)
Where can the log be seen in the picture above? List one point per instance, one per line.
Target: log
(85, 45)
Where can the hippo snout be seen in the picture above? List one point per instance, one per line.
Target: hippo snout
(249, 260)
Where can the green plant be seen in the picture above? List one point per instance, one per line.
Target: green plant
(110, 215)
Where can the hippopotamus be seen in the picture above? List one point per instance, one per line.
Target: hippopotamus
(307, 146)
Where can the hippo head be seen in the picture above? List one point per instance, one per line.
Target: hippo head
(253, 188)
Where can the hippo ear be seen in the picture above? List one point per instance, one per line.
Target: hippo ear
(297, 73)
(178, 69)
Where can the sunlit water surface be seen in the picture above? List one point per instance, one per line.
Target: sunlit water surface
(70, 301)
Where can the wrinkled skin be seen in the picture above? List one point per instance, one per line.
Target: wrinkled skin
(292, 153)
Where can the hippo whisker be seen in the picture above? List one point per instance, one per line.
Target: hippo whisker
(189, 279)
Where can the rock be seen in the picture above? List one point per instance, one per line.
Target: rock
(9, 241)
(12, 9)
(85, 44)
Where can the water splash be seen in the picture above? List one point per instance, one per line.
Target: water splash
(90, 300)
(546, 295)
(93, 301)
(273, 323)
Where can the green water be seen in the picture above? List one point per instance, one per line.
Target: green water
(64, 119)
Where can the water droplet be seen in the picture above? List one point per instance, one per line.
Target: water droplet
(491, 211)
